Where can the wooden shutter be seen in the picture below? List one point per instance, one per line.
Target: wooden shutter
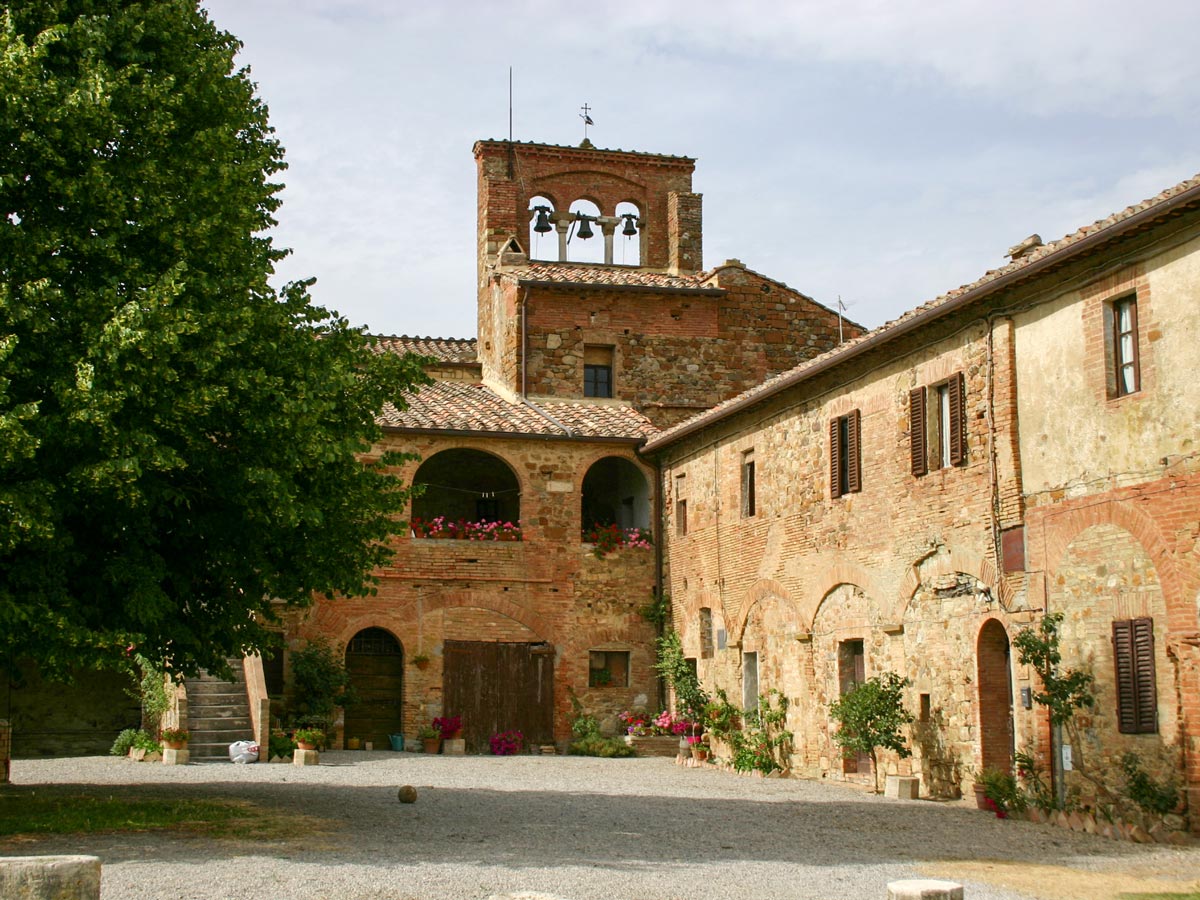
(1133, 661)
(854, 453)
(916, 432)
(835, 459)
(958, 438)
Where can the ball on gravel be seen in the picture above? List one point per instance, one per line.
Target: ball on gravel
(407, 794)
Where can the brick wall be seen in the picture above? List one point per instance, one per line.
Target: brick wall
(548, 587)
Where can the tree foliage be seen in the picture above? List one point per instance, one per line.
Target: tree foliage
(178, 440)
(1062, 692)
(872, 715)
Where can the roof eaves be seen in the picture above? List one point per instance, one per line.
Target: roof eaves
(514, 435)
(935, 310)
(631, 288)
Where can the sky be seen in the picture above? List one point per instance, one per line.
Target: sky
(880, 151)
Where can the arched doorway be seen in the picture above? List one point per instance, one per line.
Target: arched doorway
(375, 663)
(997, 741)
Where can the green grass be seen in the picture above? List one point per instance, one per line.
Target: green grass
(55, 810)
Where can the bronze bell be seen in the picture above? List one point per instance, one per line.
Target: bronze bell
(585, 227)
(542, 225)
(629, 230)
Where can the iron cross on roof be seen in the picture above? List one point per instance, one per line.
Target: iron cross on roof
(587, 120)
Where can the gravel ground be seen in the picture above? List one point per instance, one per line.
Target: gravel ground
(581, 828)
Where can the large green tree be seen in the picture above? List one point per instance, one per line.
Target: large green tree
(178, 441)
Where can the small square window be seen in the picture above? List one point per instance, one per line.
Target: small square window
(597, 371)
(608, 668)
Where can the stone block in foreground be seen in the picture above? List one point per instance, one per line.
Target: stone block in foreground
(924, 889)
(50, 877)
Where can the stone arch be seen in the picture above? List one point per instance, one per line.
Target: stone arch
(689, 626)
(1062, 528)
(615, 490)
(955, 560)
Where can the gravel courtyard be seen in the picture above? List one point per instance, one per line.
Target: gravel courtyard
(586, 829)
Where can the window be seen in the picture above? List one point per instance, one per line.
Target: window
(1133, 660)
(937, 440)
(681, 523)
(749, 681)
(597, 371)
(608, 668)
(748, 483)
(1122, 333)
(845, 456)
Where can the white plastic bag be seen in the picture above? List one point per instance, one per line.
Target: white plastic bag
(243, 752)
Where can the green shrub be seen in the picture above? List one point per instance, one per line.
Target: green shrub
(134, 739)
(595, 745)
(1142, 789)
(320, 683)
(280, 745)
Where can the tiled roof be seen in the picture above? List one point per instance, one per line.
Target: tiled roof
(460, 406)
(1113, 227)
(447, 350)
(613, 276)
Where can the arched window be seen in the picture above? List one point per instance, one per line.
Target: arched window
(615, 492)
(579, 247)
(627, 249)
(467, 495)
(542, 244)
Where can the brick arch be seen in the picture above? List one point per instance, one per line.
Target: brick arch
(375, 619)
(959, 560)
(589, 460)
(549, 195)
(460, 599)
(1063, 528)
(758, 591)
(691, 614)
(409, 471)
(833, 576)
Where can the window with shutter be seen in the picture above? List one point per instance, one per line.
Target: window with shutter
(916, 432)
(1133, 662)
(845, 454)
(748, 500)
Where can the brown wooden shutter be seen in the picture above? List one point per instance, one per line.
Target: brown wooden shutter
(854, 453)
(835, 468)
(1143, 658)
(1133, 661)
(1122, 638)
(958, 438)
(916, 432)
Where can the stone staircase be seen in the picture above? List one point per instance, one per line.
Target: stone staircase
(218, 713)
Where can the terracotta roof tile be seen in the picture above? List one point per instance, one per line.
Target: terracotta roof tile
(448, 350)
(848, 349)
(460, 406)
(616, 276)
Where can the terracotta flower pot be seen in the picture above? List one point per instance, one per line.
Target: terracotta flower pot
(431, 745)
(699, 752)
(305, 745)
(176, 745)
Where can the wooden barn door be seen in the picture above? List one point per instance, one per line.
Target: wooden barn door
(500, 687)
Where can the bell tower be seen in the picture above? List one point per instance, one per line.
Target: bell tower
(643, 195)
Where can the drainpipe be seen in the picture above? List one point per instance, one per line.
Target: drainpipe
(658, 568)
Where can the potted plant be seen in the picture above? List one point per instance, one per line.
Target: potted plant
(174, 738)
(698, 747)
(421, 661)
(448, 727)
(1001, 793)
(309, 738)
(507, 743)
(430, 738)
(353, 743)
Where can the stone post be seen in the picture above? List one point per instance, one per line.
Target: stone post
(924, 889)
(50, 877)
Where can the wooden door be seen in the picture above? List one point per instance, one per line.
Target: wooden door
(375, 663)
(497, 687)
